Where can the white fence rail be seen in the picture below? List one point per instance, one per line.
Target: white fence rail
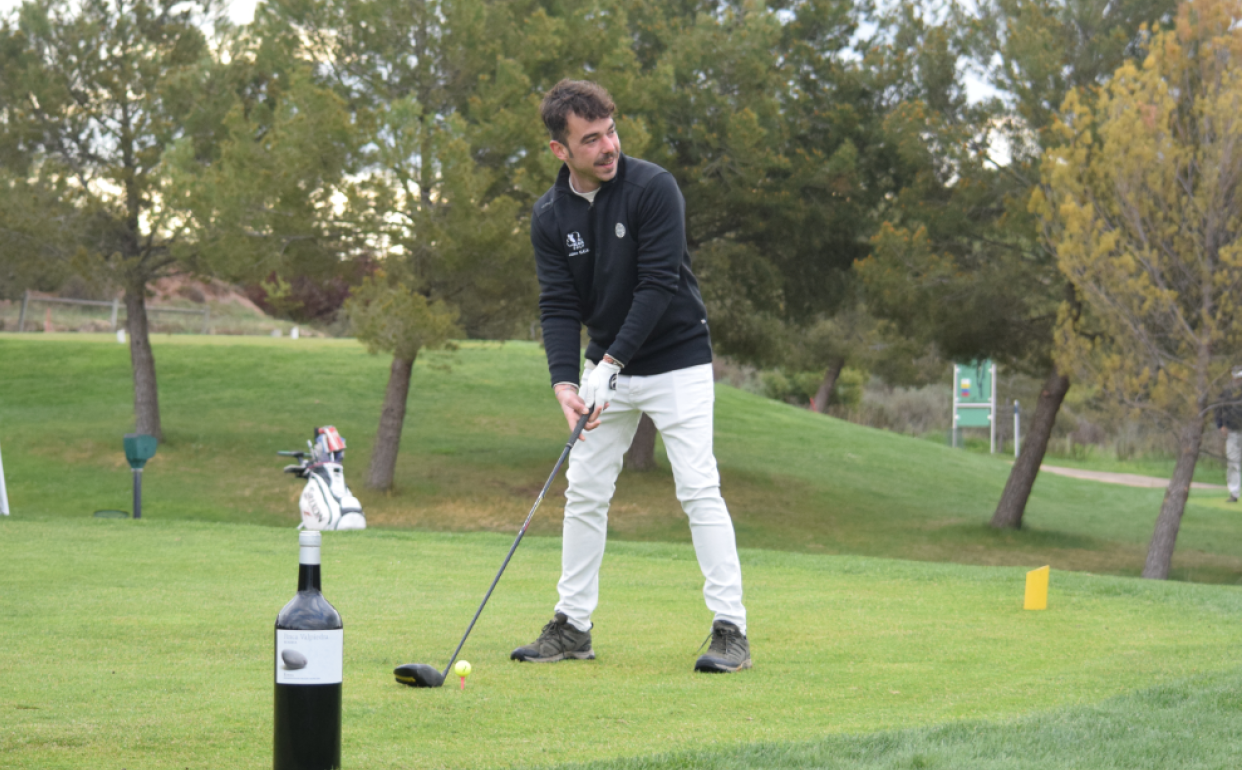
(115, 305)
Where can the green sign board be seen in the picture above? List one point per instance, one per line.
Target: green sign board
(974, 383)
(972, 394)
(974, 417)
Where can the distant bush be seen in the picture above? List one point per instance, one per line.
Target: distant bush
(799, 388)
(912, 411)
(860, 397)
(1084, 427)
(796, 388)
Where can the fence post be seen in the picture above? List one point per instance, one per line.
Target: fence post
(992, 415)
(953, 434)
(21, 317)
(4, 494)
(113, 318)
(1015, 429)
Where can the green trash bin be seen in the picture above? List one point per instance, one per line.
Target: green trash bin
(140, 448)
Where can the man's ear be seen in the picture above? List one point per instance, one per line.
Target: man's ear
(561, 152)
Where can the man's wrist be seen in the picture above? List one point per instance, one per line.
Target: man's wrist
(562, 386)
(607, 359)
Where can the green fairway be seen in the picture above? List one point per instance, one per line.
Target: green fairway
(1193, 724)
(481, 435)
(149, 645)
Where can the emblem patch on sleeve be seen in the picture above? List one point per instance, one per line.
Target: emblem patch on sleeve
(619, 230)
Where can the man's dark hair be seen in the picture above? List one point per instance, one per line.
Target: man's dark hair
(588, 100)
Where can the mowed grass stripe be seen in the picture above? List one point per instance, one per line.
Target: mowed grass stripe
(1191, 724)
(482, 432)
(149, 644)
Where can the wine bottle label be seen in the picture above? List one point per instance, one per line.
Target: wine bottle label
(309, 657)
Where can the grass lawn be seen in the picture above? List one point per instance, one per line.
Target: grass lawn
(1189, 725)
(148, 644)
(481, 435)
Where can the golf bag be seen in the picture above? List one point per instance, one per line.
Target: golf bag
(326, 503)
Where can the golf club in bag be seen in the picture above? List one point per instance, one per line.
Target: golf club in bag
(424, 675)
(326, 503)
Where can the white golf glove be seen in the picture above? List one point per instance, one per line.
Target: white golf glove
(598, 383)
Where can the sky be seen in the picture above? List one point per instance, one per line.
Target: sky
(241, 11)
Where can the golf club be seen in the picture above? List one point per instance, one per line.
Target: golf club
(424, 675)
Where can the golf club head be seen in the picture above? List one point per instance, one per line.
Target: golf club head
(418, 675)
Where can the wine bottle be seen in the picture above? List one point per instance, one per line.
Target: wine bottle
(307, 653)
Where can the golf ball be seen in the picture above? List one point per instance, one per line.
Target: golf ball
(463, 668)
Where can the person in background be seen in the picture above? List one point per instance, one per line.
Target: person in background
(1229, 414)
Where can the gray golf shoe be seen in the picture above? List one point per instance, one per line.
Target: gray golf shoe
(729, 650)
(559, 640)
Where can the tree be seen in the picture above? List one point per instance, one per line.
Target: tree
(388, 315)
(764, 115)
(32, 256)
(261, 201)
(447, 148)
(1142, 201)
(958, 260)
(92, 95)
(1037, 50)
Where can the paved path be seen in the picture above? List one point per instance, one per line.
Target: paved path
(1126, 479)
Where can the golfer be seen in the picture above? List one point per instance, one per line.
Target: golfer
(609, 240)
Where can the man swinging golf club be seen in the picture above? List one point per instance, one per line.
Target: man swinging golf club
(609, 240)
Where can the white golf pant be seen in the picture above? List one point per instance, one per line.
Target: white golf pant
(681, 403)
(1234, 449)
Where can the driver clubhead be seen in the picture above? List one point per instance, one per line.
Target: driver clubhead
(418, 675)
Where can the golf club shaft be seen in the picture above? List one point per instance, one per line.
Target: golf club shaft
(576, 433)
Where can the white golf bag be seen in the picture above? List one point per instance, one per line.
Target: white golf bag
(326, 503)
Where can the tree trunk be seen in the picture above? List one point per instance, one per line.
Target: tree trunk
(828, 386)
(1009, 513)
(142, 363)
(1166, 532)
(390, 430)
(640, 456)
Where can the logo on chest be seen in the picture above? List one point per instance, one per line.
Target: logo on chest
(576, 245)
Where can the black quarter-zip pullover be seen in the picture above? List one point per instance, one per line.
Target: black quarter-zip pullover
(622, 268)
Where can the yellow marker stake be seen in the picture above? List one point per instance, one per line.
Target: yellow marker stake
(1036, 596)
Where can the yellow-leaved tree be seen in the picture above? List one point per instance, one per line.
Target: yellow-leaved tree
(1143, 205)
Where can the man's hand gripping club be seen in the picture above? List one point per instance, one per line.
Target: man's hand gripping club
(595, 393)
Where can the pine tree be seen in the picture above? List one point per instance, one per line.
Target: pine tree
(1142, 201)
(441, 180)
(958, 260)
(94, 95)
